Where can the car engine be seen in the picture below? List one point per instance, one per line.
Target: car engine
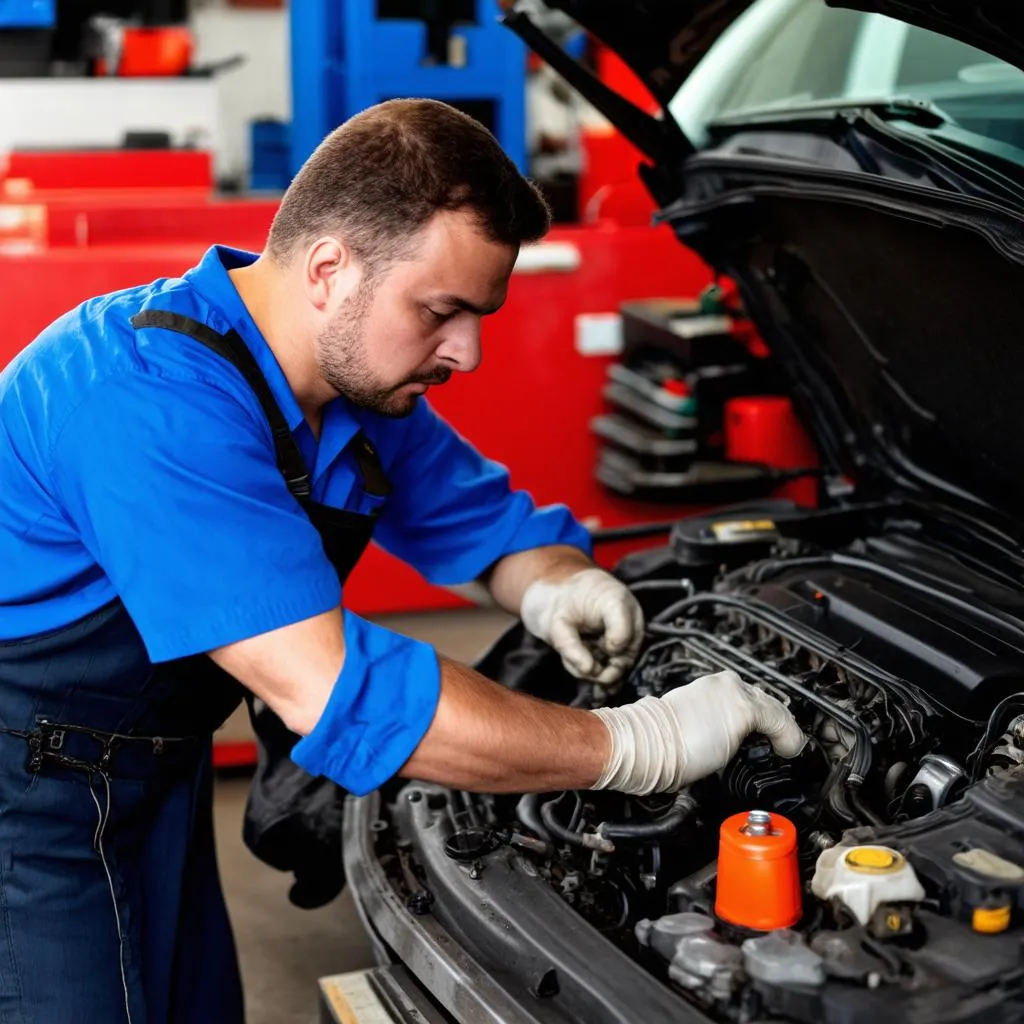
(900, 652)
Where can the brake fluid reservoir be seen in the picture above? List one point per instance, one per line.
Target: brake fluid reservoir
(758, 874)
(864, 876)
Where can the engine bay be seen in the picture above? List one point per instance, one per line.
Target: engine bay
(897, 646)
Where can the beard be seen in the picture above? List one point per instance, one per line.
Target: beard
(343, 363)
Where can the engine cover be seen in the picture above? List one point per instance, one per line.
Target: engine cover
(962, 658)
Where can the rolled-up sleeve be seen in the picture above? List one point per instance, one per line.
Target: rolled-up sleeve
(452, 513)
(379, 710)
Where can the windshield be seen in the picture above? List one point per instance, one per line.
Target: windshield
(786, 54)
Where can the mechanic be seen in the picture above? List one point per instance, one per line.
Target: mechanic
(191, 469)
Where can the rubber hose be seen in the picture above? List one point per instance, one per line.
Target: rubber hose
(526, 812)
(667, 825)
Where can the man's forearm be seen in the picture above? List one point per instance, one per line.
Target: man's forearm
(490, 739)
(509, 578)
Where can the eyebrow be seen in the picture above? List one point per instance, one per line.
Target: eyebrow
(460, 303)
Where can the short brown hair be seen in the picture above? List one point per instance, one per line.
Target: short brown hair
(379, 177)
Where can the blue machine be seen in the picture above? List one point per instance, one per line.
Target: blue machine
(350, 54)
(28, 14)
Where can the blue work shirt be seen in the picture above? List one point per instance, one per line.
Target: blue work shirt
(139, 465)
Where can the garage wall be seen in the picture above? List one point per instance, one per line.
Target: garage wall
(259, 88)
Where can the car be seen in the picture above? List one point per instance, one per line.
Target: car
(858, 172)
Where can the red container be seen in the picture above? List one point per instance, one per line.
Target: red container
(153, 52)
(758, 873)
(766, 429)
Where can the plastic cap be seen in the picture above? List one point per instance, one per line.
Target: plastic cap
(991, 920)
(873, 860)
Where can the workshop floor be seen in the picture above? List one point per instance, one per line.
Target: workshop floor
(283, 950)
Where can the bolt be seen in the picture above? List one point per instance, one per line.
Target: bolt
(420, 903)
(822, 840)
(759, 823)
(918, 800)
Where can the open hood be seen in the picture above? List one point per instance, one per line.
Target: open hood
(662, 40)
(883, 267)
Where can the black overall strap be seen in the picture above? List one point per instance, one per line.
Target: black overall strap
(375, 480)
(232, 348)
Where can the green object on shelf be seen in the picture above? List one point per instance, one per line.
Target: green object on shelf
(711, 303)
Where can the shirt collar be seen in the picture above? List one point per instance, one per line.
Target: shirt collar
(210, 279)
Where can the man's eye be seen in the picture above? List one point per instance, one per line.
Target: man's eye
(437, 317)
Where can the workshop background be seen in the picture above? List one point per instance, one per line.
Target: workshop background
(619, 379)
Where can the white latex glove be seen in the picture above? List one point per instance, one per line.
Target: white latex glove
(661, 744)
(591, 619)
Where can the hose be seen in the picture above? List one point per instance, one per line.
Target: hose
(589, 840)
(667, 825)
(555, 827)
(836, 797)
(526, 812)
(853, 795)
(635, 531)
(680, 584)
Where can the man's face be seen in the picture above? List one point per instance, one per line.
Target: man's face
(418, 321)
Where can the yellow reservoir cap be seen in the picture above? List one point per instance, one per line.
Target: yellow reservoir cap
(873, 860)
(991, 920)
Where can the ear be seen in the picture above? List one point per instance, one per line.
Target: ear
(331, 273)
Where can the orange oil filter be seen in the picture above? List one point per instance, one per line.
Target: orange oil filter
(758, 874)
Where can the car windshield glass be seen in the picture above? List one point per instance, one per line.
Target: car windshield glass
(787, 54)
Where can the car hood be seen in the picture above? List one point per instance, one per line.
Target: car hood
(662, 40)
(884, 272)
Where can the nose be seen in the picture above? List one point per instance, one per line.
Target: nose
(460, 348)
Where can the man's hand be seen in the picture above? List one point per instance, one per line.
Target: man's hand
(660, 744)
(487, 738)
(591, 619)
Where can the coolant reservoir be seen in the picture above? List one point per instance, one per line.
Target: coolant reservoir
(864, 876)
(758, 874)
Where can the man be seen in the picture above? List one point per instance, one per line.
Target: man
(190, 470)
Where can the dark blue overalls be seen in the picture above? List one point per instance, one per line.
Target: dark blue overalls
(110, 901)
